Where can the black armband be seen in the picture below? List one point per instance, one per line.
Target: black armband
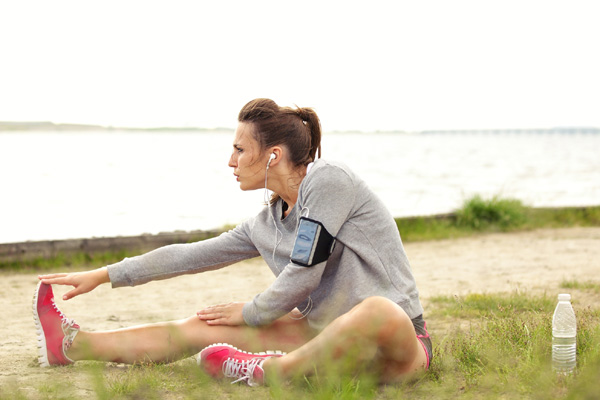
(313, 243)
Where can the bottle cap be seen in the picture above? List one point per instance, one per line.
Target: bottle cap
(564, 297)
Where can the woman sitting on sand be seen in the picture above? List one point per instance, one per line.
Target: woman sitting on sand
(344, 285)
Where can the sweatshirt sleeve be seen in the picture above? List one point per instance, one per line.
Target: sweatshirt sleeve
(328, 197)
(180, 259)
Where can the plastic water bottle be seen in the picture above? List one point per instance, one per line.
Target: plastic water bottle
(564, 330)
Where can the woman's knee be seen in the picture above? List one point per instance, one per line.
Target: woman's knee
(377, 307)
(386, 318)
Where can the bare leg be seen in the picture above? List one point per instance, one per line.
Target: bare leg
(166, 342)
(376, 332)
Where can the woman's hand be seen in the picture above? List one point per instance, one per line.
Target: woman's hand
(223, 314)
(82, 282)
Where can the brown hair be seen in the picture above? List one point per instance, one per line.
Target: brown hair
(298, 129)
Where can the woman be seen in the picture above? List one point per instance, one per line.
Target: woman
(355, 295)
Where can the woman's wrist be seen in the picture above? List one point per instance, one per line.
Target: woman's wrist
(103, 276)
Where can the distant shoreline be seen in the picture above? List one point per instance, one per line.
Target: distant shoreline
(36, 126)
(16, 126)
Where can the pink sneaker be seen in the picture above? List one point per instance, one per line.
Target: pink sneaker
(223, 360)
(55, 332)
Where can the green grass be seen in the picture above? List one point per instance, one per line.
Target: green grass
(563, 217)
(478, 215)
(574, 284)
(476, 305)
(66, 261)
(493, 346)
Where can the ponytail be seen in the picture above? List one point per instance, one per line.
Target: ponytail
(311, 121)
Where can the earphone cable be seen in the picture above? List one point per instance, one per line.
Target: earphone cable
(278, 239)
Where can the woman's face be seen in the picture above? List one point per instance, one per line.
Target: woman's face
(246, 160)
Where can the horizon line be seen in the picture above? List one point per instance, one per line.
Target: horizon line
(12, 126)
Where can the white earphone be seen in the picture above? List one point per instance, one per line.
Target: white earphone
(271, 158)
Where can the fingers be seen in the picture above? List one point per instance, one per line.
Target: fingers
(222, 314)
(214, 320)
(218, 310)
(82, 282)
(56, 281)
(72, 293)
(211, 313)
(46, 278)
(205, 316)
(62, 279)
(220, 321)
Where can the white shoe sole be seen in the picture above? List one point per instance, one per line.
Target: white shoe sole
(41, 338)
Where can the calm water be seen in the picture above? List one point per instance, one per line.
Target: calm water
(72, 185)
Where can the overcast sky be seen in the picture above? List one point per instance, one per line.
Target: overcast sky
(365, 65)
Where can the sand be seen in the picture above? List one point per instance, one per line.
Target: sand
(533, 262)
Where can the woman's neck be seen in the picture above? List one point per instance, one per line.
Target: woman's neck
(290, 200)
(288, 187)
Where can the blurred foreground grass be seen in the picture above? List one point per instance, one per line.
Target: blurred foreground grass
(476, 216)
(493, 346)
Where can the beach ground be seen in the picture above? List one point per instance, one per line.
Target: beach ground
(535, 262)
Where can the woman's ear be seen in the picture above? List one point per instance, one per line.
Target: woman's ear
(276, 156)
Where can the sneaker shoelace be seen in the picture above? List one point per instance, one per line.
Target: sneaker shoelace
(242, 370)
(70, 332)
(68, 328)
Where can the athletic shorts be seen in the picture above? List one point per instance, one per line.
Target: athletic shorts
(423, 337)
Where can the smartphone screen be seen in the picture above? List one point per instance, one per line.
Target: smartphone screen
(305, 239)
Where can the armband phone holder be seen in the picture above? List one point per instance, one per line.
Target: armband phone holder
(313, 243)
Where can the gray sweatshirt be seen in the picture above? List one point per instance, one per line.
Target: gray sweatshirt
(368, 259)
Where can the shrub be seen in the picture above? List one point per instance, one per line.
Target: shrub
(480, 214)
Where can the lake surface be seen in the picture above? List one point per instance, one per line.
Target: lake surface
(60, 185)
